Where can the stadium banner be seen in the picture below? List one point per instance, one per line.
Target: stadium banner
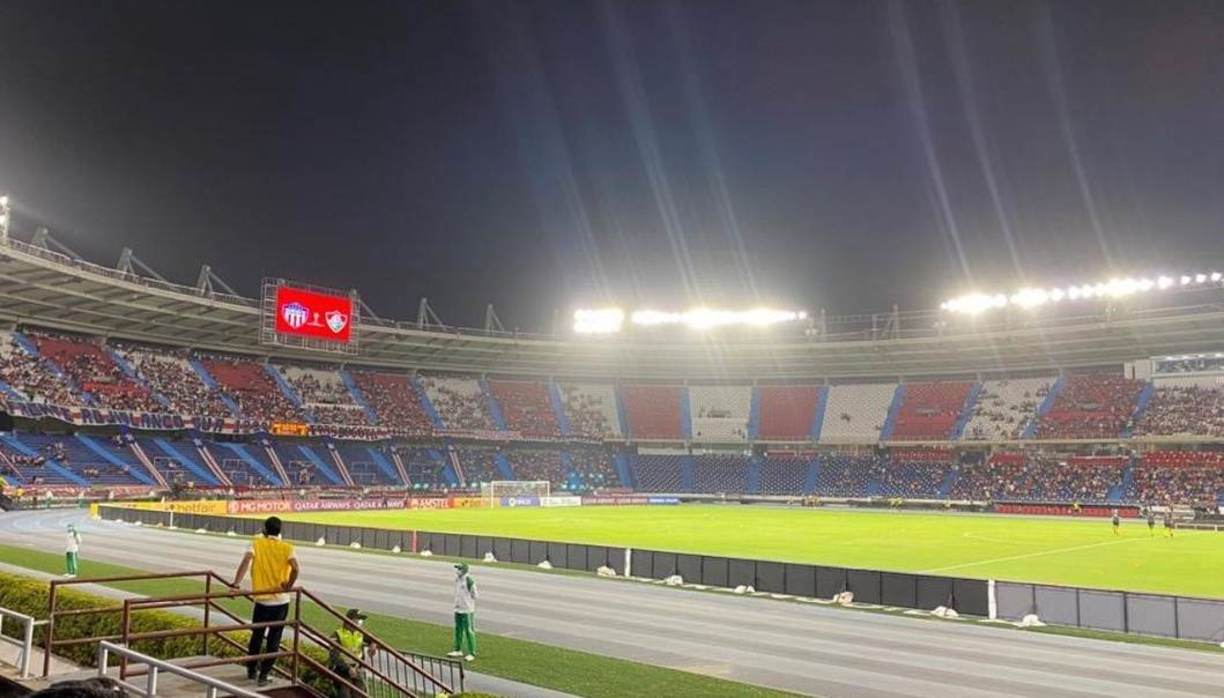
(469, 503)
(520, 501)
(427, 503)
(562, 501)
(200, 506)
(627, 501)
(273, 506)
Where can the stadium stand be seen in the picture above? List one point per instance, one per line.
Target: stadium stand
(993, 479)
(1005, 408)
(459, 401)
(658, 473)
(1090, 406)
(478, 465)
(394, 401)
(537, 464)
(785, 474)
(426, 467)
(1085, 480)
(105, 463)
(713, 474)
(526, 407)
(1181, 477)
(921, 479)
(590, 469)
(590, 409)
(1184, 407)
(249, 386)
(324, 395)
(168, 373)
(856, 413)
(929, 411)
(847, 475)
(719, 412)
(95, 373)
(787, 411)
(363, 467)
(654, 411)
(33, 380)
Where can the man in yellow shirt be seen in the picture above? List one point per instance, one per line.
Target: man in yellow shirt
(274, 571)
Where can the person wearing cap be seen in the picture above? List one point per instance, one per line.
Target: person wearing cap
(72, 547)
(350, 638)
(465, 614)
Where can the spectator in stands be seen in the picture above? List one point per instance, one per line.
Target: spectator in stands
(274, 571)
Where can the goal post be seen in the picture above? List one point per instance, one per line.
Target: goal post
(495, 490)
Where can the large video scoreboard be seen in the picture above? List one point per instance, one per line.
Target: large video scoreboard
(309, 317)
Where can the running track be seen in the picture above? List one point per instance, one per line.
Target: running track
(797, 647)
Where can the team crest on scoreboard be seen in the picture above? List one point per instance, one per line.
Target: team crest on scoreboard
(336, 321)
(295, 315)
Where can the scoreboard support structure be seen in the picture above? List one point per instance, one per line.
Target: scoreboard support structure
(302, 316)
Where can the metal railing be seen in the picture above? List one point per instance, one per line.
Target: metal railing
(382, 671)
(25, 643)
(212, 686)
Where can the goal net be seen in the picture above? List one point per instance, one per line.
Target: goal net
(495, 490)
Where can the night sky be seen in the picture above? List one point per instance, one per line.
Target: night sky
(549, 155)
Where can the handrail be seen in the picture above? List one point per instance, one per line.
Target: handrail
(26, 643)
(105, 649)
(385, 666)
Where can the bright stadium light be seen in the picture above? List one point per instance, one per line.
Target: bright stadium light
(1029, 298)
(708, 318)
(600, 321)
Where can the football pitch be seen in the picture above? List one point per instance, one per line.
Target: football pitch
(1080, 552)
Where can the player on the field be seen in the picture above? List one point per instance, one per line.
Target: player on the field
(1117, 522)
(1168, 522)
(1151, 517)
(72, 547)
(465, 614)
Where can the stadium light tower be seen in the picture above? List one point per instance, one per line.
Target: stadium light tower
(4, 218)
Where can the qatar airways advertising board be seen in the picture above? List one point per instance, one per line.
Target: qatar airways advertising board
(303, 313)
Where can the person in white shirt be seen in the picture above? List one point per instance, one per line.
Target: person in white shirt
(465, 614)
(72, 548)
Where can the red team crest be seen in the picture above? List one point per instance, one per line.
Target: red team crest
(311, 314)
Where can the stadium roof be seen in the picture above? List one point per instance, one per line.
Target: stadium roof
(43, 287)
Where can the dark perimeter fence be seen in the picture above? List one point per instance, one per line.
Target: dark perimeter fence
(1182, 617)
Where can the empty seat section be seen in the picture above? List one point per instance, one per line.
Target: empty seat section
(654, 411)
(845, 475)
(856, 413)
(720, 412)
(720, 474)
(911, 479)
(537, 464)
(478, 465)
(787, 411)
(658, 473)
(1005, 408)
(362, 467)
(785, 474)
(590, 409)
(929, 410)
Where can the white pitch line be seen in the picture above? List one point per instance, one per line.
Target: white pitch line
(1030, 555)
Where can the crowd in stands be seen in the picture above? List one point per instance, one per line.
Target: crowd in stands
(590, 409)
(911, 479)
(1184, 410)
(1181, 477)
(1093, 406)
(459, 401)
(394, 401)
(591, 469)
(994, 479)
(478, 465)
(30, 377)
(526, 407)
(248, 384)
(536, 464)
(1072, 481)
(95, 373)
(1005, 408)
(325, 396)
(846, 475)
(168, 373)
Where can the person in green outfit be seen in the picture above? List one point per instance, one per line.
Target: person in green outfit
(465, 614)
(72, 548)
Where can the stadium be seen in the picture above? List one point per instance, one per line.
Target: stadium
(1018, 491)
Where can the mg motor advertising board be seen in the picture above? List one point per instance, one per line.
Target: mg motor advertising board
(298, 315)
(313, 314)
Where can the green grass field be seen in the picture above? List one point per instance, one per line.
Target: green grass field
(1075, 552)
